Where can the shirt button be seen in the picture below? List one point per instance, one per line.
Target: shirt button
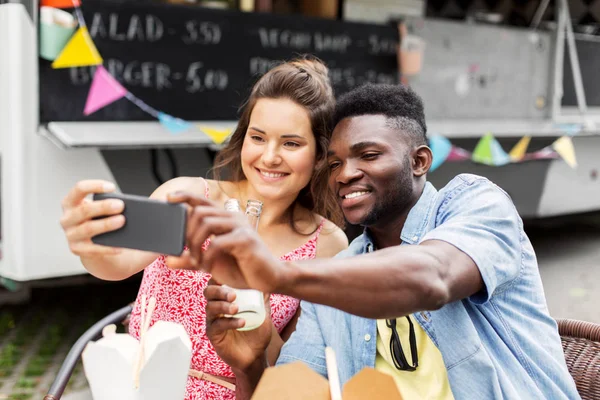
(367, 337)
(415, 238)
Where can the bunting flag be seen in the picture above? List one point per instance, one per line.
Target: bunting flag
(518, 152)
(61, 3)
(483, 150)
(79, 52)
(499, 156)
(104, 90)
(218, 136)
(564, 147)
(440, 147)
(458, 154)
(488, 151)
(546, 153)
(173, 125)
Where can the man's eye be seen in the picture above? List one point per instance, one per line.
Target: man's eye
(334, 165)
(370, 156)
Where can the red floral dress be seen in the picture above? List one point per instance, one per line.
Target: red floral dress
(180, 298)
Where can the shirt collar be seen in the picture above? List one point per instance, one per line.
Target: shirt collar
(418, 217)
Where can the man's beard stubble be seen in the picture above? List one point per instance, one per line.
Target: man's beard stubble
(394, 201)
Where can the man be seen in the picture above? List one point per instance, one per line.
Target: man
(448, 299)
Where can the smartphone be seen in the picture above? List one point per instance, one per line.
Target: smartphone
(150, 225)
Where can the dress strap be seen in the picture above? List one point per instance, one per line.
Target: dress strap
(206, 188)
(318, 231)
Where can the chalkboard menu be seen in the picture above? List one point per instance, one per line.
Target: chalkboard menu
(199, 64)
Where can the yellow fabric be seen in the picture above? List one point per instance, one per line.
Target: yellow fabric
(430, 379)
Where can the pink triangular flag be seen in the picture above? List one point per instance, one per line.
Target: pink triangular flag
(104, 90)
(546, 153)
(458, 154)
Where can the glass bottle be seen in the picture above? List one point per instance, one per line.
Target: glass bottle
(250, 302)
(233, 205)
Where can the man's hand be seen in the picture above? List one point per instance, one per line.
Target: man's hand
(236, 256)
(240, 350)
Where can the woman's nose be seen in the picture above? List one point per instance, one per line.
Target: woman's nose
(271, 156)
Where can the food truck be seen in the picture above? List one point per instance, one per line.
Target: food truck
(138, 93)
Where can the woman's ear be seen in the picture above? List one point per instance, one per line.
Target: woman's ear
(422, 159)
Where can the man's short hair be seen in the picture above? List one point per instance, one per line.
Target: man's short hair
(402, 106)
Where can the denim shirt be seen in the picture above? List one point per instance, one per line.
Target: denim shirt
(500, 343)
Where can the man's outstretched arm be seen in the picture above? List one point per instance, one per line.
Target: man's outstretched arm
(473, 252)
(387, 283)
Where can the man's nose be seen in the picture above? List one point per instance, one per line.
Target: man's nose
(348, 173)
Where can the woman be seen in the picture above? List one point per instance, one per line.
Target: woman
(276, 155)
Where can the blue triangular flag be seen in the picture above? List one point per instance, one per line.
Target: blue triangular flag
(499, 156)
(174, 125)
(440, 147)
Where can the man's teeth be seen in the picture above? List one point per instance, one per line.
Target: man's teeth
(271, 175)
(355, 194)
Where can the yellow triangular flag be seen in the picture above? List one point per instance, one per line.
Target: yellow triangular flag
(564, 147)
(518, 152)
(217, 135)
(79, 52)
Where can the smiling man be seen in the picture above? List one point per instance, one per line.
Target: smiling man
(448, 301)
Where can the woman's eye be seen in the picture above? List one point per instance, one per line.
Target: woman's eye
(334, 165)
(291, 144)
(257, 138)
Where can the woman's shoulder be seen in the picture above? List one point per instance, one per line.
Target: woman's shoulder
(332, 239)
(220, 191)
(216, 190)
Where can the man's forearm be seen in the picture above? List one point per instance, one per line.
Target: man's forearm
(384, 284)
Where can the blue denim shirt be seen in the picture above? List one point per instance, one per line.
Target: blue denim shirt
(500, 343)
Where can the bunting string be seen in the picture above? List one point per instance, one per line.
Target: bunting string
(488, 151)
(80, 51)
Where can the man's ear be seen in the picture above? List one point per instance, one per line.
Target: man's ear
(422, 159)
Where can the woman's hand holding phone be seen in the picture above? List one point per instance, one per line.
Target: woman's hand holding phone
(80, 220)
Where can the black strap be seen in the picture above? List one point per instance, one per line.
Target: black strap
(396, 350)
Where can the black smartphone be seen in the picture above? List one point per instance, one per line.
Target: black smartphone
(150, 225)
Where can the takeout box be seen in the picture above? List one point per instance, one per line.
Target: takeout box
(296, 381)
(115, 369)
